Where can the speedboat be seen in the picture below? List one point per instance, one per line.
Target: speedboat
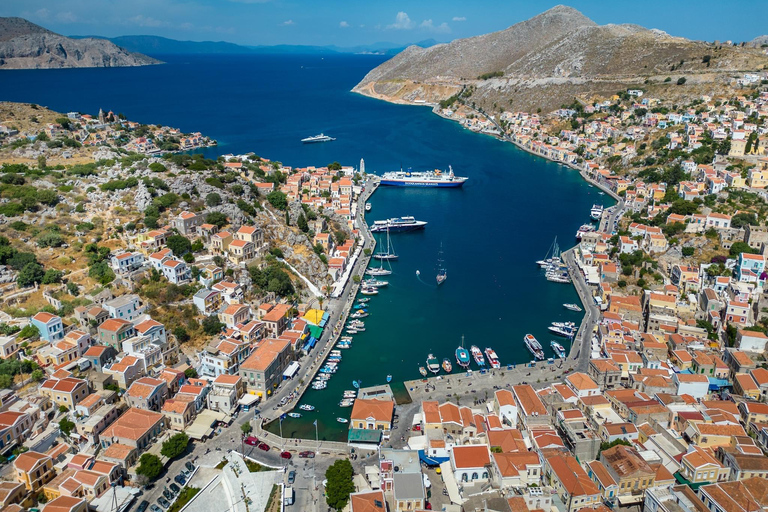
(565, 332)
(317, 138)
(479, 359)
(493, 359)
(294, 415)
(369, 291)
(347, 402)
(447, 365)
(367, 207)
(342, 420)
(350, 393)
(389, 378)
(378, 271)
(307, 407)
(433, 364)
(534, 346)
(572, 307)
(423, 371)
(358, 314)
(375, 283)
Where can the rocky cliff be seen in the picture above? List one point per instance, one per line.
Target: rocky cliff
(547, 60)
(24, 45)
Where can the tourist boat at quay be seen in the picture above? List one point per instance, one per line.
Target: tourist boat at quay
(462, 355)
(534, 346)
(317, 138)
(436, 178)
(397, 225)
(493, 359)
(596, 212)
(572, 307)
(479, 359)
(447, 366)
(563, 331)
(433, 364)
(583, 230)
(558, 349)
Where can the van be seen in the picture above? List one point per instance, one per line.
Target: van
(288, 496)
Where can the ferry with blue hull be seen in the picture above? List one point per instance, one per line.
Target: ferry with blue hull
(434, 178)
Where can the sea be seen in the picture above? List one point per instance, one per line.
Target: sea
(492, 230)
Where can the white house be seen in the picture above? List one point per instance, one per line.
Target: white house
(156, 259)
(126, 307)
(505, 407)
(471, 463)
(751, 341)
(693, 384)
(154, 330)
(176, 271)
(126, 262)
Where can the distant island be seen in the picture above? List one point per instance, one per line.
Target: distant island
(549, 60)
(24, 45)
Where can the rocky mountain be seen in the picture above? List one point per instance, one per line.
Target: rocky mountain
(558, 49)
(760, 40)
(24, 45)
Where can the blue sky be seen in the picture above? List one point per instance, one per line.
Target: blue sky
(354, 22)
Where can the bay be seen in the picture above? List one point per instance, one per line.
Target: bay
(492, 230)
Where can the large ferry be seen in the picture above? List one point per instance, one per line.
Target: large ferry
(434, 178)
(493, 359)
(397, 224)
(317, 138)
(534, 346)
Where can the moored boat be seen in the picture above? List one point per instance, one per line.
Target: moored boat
(573, 307)
(565, 332)
(433, 364)
(423, 371)
(447, 365)
(369, 291)
(342, 420)
(398, 225)
(493, 359)
(367, 207)
(462, 355)
(596, 212)
(307, 407)
(436, 178)
(294, 415)
(534, 346)
(558, 349)
(478, 355)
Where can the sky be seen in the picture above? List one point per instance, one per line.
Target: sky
(360, 22)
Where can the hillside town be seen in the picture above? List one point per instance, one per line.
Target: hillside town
(197, 307)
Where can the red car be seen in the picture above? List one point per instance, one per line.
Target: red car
(250, 440)
(307, 455)
(285, 455)
(264, 446)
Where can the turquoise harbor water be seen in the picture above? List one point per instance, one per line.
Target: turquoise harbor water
(492, 230)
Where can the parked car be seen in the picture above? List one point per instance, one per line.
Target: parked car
(155, 508)
(285, 455)
(264, 446)
(291, 477)
(250, 440)
(180, 479)
(167, 494)
(190, 467)
(163, 502)
(175, 489)
(142, 506)
(307, 455)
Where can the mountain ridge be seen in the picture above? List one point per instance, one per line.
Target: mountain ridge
(528, 62)
(25, 45)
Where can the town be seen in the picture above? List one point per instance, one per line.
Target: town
(177, 304)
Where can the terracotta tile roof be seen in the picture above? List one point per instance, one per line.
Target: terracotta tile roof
(529, 400)
(133, 424)
(63, 504)
(471, 456)
(504, 397)
(379, 410)
(265, 354)
(175, 406)
(44, 317)
(601, 473)
(27, 461)
(572, 476)
(431, 412)
(118, 451)
(372, 501)
(114, 324)
(625, 461)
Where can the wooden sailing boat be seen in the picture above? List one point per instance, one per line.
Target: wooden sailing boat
(390, 254)
(441, 273)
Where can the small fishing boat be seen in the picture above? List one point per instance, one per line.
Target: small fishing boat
(356, 384)
(342, 420)
(367, 207)
(479, 359)
(343, 344)
(558, 349)
(358, 314)
(365, 290)
(346, 338)
(375, 283)
(350, 393)
(350, 330)
(433, 364)
(572, 307)
(423, 371)
(389, 378)
(294, 415)
(347, 402)
(364, 300)
(447, 366)
(307, 407)
(363, 306)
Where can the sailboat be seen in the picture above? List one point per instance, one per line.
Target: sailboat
(390, 254)
(552, 257)
(462, 355)
(380, 271)
(441, 273)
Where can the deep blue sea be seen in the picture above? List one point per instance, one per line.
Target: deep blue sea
(492, 230)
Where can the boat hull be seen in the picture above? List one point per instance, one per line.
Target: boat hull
(422, 183)
(398, 229)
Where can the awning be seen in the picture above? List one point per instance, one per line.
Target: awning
(450, 483)
(362, 435)
(203, 425)
(248, 399)
(630, 500)
(431, 461)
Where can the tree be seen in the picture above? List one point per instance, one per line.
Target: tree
(217, 218)
(615, 442)
(740, 247)
(730, 335)
(213, 199)
(175, 446)
(29, 331)
(340, 236)
(335, 166)
(302, 223)
(37, 375)
(681, 80)
(190, 373)
(246, 427)
(149, 466)
(31, 273)
(278, 200)
(52, 276)
(180, 245)
(688, 251)
(66, 426)
(181, 334)
(340, 484)
(744, 219)
(212, 326)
